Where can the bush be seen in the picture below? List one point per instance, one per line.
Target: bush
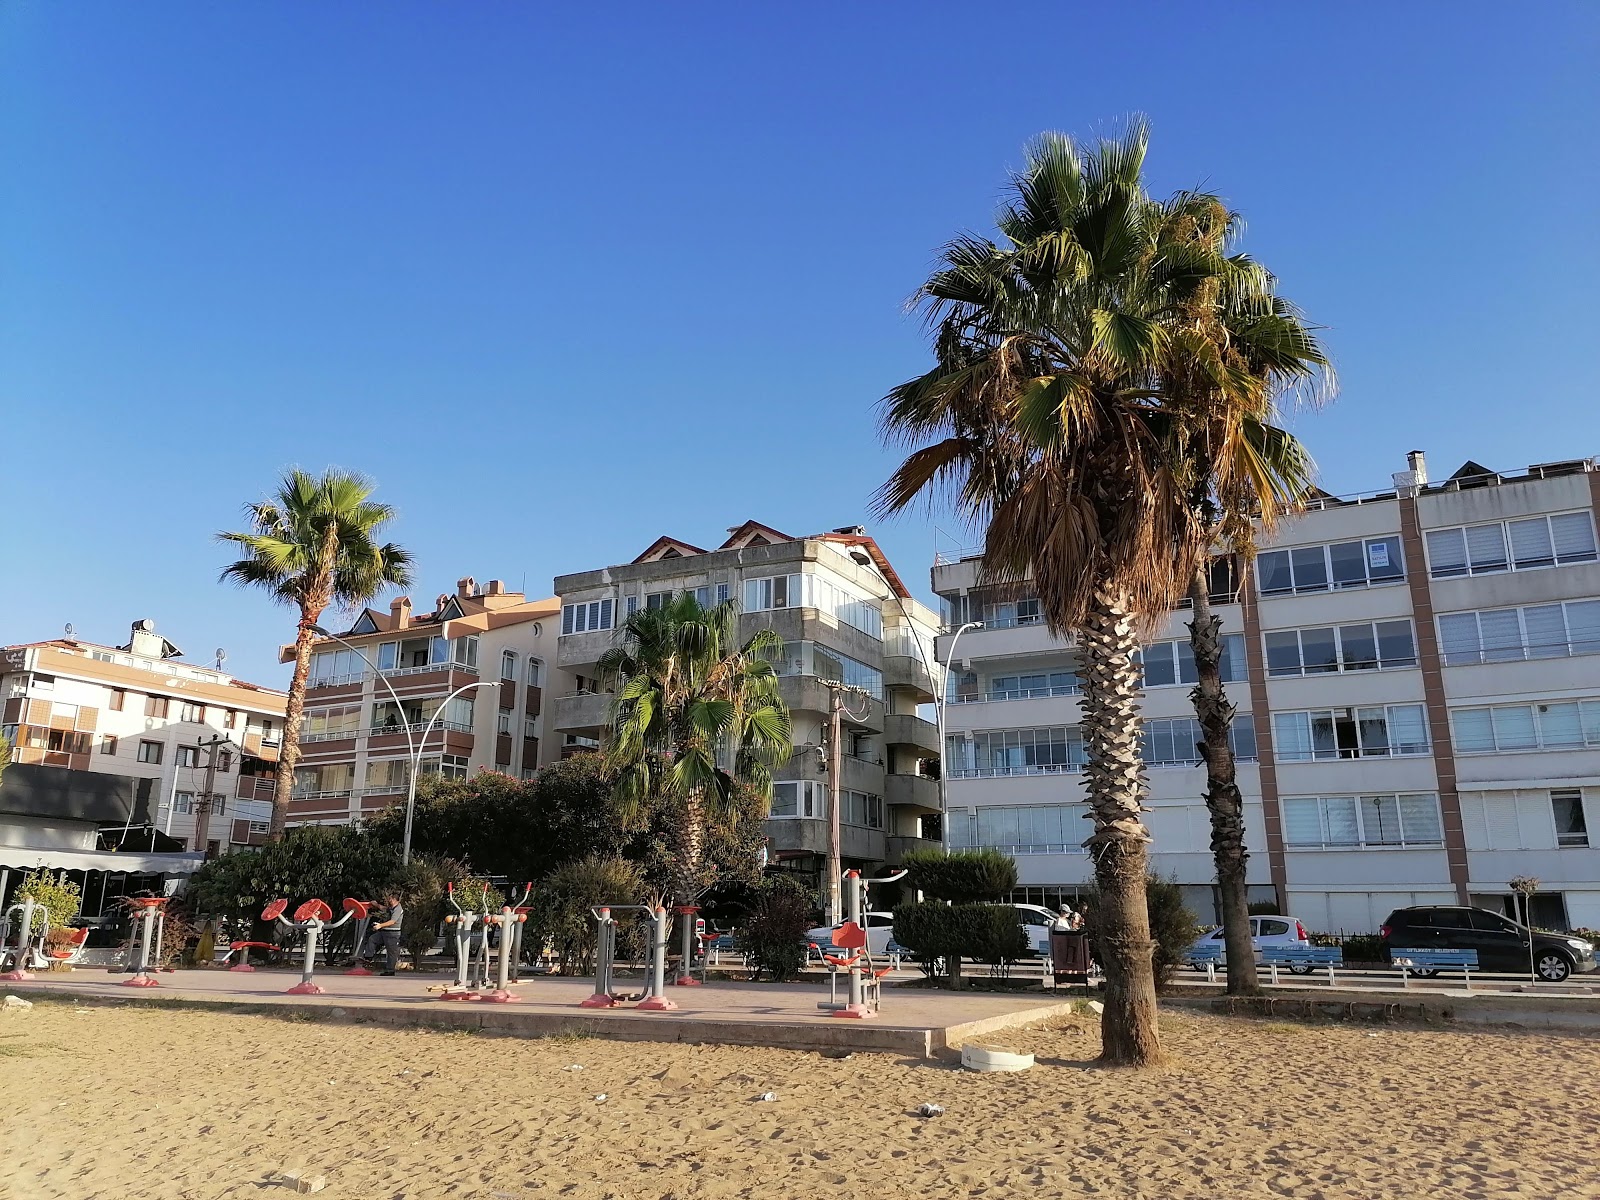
(58, 894)
(423, 889)
(774, 934)
(1173, 925)
(987, 932)
(562, 900)
(1358, 947)
(963, 877)
(1263, 908)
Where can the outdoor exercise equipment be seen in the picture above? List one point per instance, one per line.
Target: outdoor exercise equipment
(243, 948)
(311, 918)
(509, 921)
(150, 924)
(29, 950)
(863, 976)
(472, 970)
(361, 910)
(659, 922)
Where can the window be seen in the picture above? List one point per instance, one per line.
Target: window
(1340, 565)
(1176, 741)
(1571, 828)
(219, 805)
(585, 618)
(336, 666)
(1016, 752)
(45, 683)
(1327, 734)
(503, 721)
(633, 605)
(194, 714)
(384, 775)
(1512, 545)
(119, 697)
(1337, 822)
(260, 827)
(508, 664)
(1035, 829)
(449, 766)
(655, 600)
(1511, 634)
(534, 672)
(1556, 725)
(1369, 646)
(801, 798)
(1011, 613)
(808, 658)
(324, 724)
(1169, 663)
(225, 761)
(466, 652)
(860, 808)
(183, 802)
(231, 719)
(806, 590)
(188, 756)
(530, 727)
(150, 752)
(1031, 686)
(108, 745)
(155, 706)
(61, 741)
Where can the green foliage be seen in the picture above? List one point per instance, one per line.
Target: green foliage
(325, 862)
(1358, 947)
(986, 932)
(1264, 908)
(774, 932)
(562, 900)
(62, 897)
(962, 876)
(1173, 925)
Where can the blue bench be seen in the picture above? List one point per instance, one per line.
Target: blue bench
(1207, 956)
(1303, 959)
(1417, 958)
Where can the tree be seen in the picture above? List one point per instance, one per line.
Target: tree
(311, 545)
(311, 861)
(697, 714)
(1045, 418)
(961, 876)
(1237, 347)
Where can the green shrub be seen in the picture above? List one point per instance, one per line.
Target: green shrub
(1173, 925)
(1263, 908)
(931, 930)
(59, 895)
(1358, 947)
(562, 900)
(962, 877)
(774, 933)
(423, 893)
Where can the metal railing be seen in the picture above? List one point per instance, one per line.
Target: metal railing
(396, 672)
(1066, 689)
(338, 680)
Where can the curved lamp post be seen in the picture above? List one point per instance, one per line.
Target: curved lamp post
(414, 746)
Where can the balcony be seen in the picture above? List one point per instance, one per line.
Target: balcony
(583, 649)
(254, 787)
(896, 848)
(911, 791)
(903, 668)
(907, 729)
(810, 835)
(808, 693)
(583, 710)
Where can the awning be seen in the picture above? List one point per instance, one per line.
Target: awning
(23, 858)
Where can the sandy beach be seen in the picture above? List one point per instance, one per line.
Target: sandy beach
(131, 1102)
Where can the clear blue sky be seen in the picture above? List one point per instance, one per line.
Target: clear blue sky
(564, 280)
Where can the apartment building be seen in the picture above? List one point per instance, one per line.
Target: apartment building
(137, 711)
(845, 617)
(462, 685)
(1417, 674)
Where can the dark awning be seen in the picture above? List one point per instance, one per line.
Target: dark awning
(30, 790)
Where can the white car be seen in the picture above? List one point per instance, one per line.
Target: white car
(1036, 923)
(1265, 931)
(879, 927)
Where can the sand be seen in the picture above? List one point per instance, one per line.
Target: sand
(130, 1102)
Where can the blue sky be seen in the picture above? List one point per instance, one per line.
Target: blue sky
(564, 280)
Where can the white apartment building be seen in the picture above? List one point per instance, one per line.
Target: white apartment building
(1417, 674)
(463, 684)
(138, 712)
(845, 617)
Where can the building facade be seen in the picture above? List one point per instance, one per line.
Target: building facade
(845, 617)
(1417, 677)
(168, 726)
(463, 684)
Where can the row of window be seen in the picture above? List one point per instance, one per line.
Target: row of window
(1380, 731)
(1052, 749)
(1165, 664)
(343, 664)
(1521, 545)
(805, 590)
(1368, 646)
(1512, 634)
(1556, 725)
(807, 799)
(509, 668)
(384, 774)
(809, 658)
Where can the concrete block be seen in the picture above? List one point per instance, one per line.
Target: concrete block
(300, 1182)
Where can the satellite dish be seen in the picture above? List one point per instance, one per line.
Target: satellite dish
(222, 657)
(70, 631)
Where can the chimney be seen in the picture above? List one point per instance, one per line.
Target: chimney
(466, 587)
(145, 640)
(1409, 483)
(1418, 462)
(495, 587)
(400, 613)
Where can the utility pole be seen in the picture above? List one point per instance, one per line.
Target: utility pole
(836, 714)
(202, 813)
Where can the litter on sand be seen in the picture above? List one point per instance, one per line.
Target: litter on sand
(930, 1110)
(768, 1096)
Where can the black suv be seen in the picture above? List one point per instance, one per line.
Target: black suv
(1501, 943)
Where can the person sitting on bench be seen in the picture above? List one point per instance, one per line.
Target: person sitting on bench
(386, 933)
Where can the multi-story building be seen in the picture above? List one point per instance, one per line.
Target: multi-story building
(1417, 674)
(480, 656)
(845, 617)
(138, 712)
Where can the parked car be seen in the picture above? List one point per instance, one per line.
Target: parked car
(1036, 923)
(1501, 943)
(879, 927)
(1265, 932)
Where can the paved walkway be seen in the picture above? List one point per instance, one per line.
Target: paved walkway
(913, 1021)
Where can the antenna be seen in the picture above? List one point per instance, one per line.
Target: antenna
(222, 657)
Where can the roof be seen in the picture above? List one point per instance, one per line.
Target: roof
(875, 552)
(668, 547)
(73, 645)
(31, 790)
(753, 532)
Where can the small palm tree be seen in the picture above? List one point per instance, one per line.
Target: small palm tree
(697, 715)
(311, 545)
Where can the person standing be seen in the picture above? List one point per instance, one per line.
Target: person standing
(386, 933)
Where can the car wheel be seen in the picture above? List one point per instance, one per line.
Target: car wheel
(1425, 972)
(1553, 967)
(1302, 969)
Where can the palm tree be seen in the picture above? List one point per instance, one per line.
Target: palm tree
(313, 544)
(697, 715)
(1238, 348)
(1047, 417)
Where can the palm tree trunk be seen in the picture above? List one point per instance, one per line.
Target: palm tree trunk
(1215, 711)
(1119, 845)
(293, 715)
(691, 840)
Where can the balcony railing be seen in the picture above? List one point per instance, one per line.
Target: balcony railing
(396, 672)
(1067, 689)
(337, 680)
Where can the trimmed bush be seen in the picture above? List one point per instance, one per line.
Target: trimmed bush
(963, 877)
(931, 930)
(1263, 908)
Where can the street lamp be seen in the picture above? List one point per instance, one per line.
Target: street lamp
(939, 680)
(414, 746)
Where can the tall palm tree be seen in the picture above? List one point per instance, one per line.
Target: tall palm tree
(696, 716)
(1238, 348)
(313, 544)
(1047, 417)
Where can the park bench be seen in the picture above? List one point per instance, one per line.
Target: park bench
(1302, 959)
(1422, 961)
(1207, 956)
